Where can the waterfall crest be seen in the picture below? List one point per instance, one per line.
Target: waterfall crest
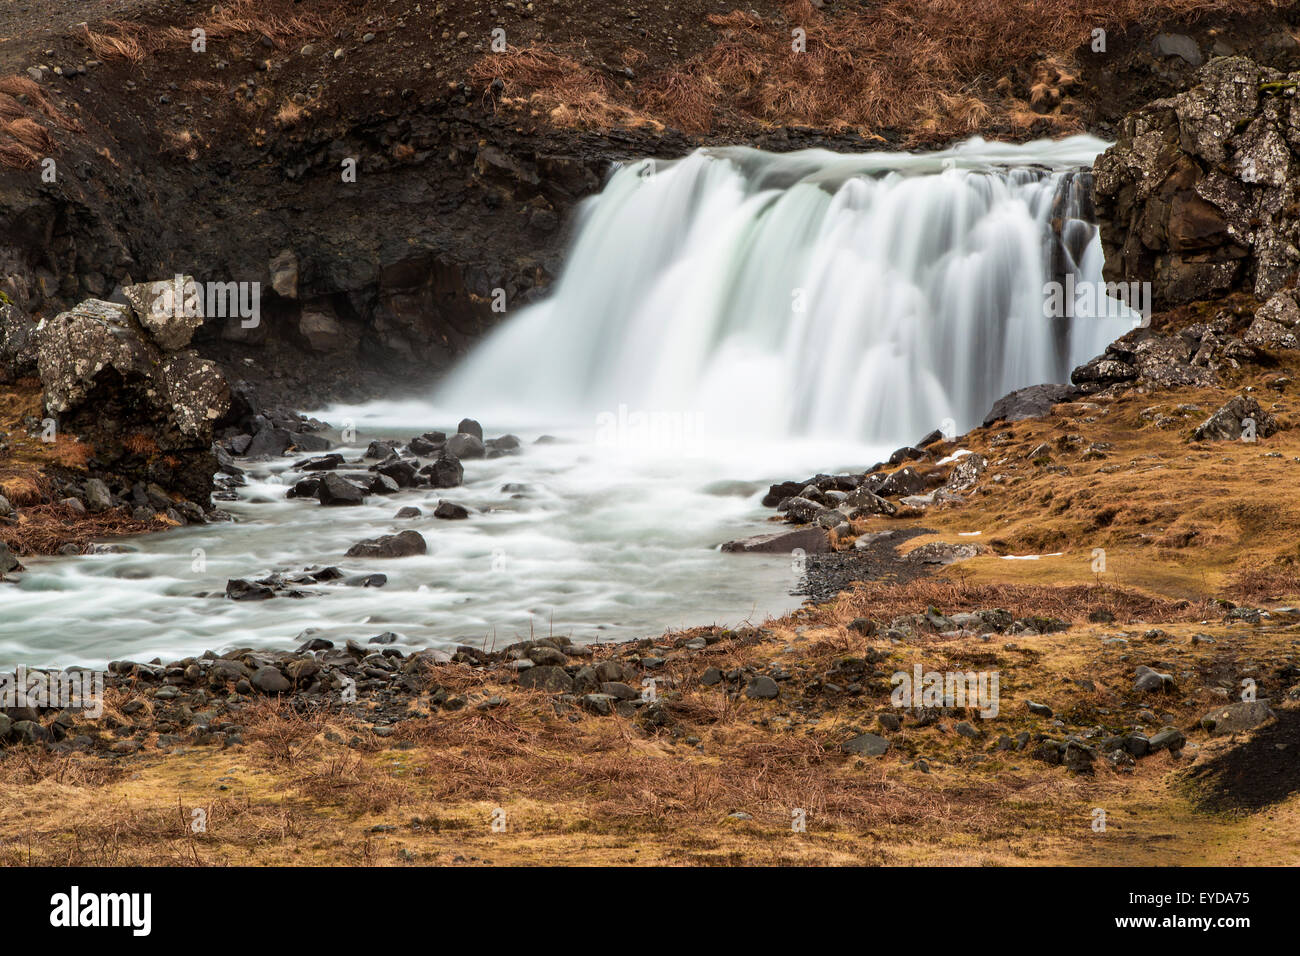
(866, 297)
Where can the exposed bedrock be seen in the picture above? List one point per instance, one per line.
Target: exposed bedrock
(1199, 194)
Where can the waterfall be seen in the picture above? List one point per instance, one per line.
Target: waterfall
(868, 297)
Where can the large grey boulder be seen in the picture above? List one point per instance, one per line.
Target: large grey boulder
(1032, 402)
(1231, 421)
(1237, 718)
(148, 411)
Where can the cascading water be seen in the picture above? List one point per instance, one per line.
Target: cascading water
(808, 312)
(866, 297)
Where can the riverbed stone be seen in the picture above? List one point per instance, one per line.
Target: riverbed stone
(98, 497)
(450, 510)
(401, 545)
(335, 490)
(8, 562)
(446, 472)
(808, 540)
(466, 446)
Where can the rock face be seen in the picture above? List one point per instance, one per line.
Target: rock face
(1199, 193)
(148, 410)
(1192, 356)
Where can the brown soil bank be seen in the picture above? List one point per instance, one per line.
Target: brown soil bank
(233, 164)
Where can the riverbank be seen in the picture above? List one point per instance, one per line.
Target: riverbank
(763, 746)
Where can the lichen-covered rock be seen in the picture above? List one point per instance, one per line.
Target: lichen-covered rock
(170, 310)
(147, 412)
(17, 341)
(1199, 193)
(1240, 419)
(1269, 335)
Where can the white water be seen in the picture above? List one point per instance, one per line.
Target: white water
(867, 297)
(670, 357)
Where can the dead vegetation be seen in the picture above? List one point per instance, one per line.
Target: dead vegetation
(557, 85)
(44, 525)
(528, 784)
(932, 68)
(26, 117)
(280, 21)
(1073, 603)
(46, 528)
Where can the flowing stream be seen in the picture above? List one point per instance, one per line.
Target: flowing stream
(724, 320)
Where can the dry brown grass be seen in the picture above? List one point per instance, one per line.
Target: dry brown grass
(26, 115)
(280, 21)
(1074, 603)
(23, 486)
(45, 528)
(1175, 518)
(556, 84)
(602, 790)
(289, 114)
(1257, 582)
(926, 66)
(141, 444)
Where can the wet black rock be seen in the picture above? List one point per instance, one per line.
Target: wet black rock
(505, 445)
(381, 485)
(450, 510)
(240, 589)
(423, 445)
(322, 463)
(446, 472)
(8, 562)
(808, 540)
(401, 470)
(1032, 402)
(307, 487)
(336, 490)
(466, 446)
(400, 545)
